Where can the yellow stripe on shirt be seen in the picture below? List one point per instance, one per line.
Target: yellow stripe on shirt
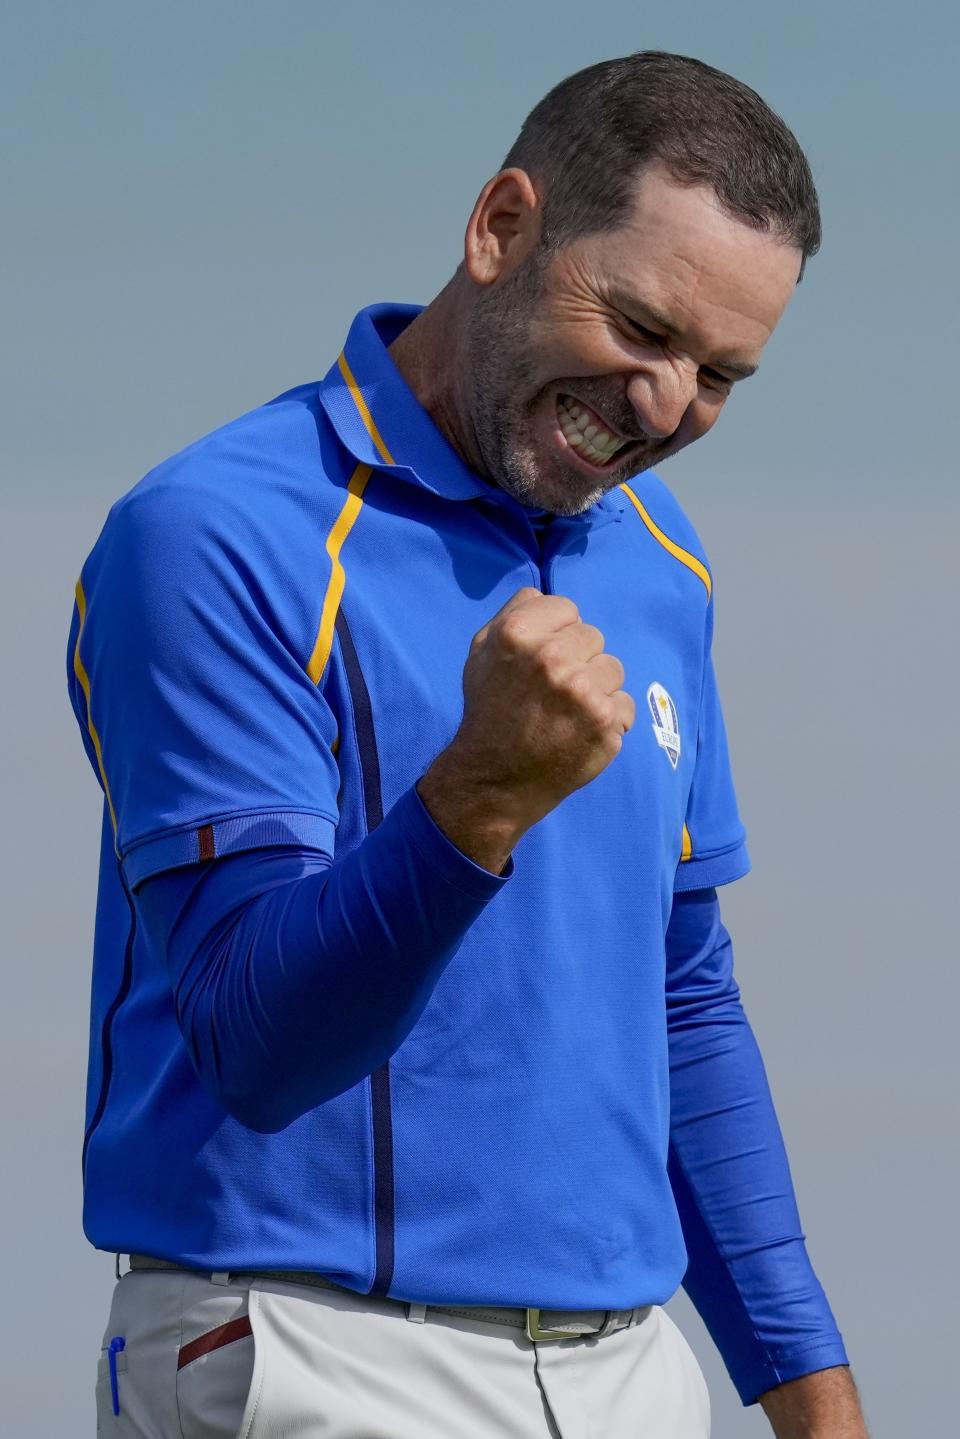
(363, 408)
(331, 600)
(684, 556)
(686, 846)
(84, 680)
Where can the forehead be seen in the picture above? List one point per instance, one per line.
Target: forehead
(679, 251)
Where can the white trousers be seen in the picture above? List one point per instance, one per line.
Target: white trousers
(255, 1358)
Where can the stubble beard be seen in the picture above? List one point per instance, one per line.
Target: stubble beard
(498, 369)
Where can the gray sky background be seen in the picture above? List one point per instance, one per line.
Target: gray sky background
(197, 198)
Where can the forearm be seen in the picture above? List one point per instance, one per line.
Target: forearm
(749, 1274)
(289, 997)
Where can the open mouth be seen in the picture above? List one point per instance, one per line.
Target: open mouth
(585, 432)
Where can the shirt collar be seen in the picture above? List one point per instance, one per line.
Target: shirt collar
(382, 423)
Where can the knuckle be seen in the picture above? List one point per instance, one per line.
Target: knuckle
(580, 688)
(513, 632)
(547, 657)
(566, 606)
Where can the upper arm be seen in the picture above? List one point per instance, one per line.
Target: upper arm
(699, 957)
(208, 733)
(190, 912)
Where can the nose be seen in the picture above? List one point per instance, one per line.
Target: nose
(660, 396)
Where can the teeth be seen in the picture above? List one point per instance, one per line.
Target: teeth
(583, 433)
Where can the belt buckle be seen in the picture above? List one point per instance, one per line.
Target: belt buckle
(538, 1335)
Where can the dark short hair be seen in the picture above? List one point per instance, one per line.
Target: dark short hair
(586, 142)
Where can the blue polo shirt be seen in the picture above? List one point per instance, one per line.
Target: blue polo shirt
(266, 655)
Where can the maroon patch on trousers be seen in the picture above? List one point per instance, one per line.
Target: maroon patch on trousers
(207, 847)
(214, 1339)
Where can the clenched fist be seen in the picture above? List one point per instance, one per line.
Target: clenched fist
(544, 713)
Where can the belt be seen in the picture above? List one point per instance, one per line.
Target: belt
(539, 1324)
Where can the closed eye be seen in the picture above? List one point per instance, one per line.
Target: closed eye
(642, 330)
(716, 381)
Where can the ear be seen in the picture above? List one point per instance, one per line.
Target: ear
(504, 227)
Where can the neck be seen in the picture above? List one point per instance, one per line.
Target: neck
(429, 356)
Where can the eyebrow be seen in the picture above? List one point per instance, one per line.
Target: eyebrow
(738, 370)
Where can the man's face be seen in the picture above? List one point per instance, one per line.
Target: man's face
(622, 348)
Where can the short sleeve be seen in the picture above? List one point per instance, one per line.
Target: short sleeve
(188, 676)
(714, 850)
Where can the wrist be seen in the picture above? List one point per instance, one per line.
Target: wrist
(470, 812)
(822, 1405)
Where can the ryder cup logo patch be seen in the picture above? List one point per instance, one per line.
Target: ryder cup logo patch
(666, 726)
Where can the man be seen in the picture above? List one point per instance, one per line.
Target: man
(419, 1078)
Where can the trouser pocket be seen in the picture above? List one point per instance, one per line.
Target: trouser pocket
(136, 1371)
(182, 1358)
(215, 1361)
(110, 1366)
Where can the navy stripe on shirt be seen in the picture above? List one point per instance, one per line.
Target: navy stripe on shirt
(364, 926)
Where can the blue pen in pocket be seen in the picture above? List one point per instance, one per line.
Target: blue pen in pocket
(117, 1345)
